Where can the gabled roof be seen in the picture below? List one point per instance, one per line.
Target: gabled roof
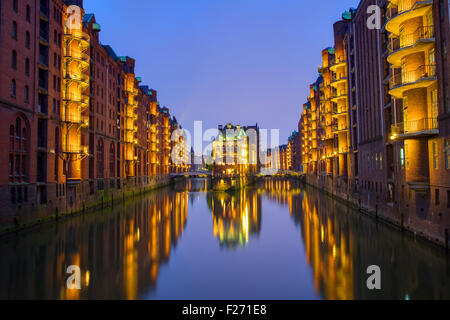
(88, 17)
(110, 51)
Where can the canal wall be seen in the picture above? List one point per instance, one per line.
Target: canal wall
(391, 213)
(107, 193)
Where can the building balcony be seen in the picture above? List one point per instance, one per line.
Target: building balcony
(338, 95)
(80, 99)
(77, 35)
(403, 10)
(422, 77)
(420, 40)
(337, 128)
(81, 79)
(339, 62)
(338, 79)
(75, 152)
(76, 119)
(132, 92)
(343, 150)
(132, 116)
(329, 136)
(340, 111)
(420, 128)
(77, 55)
(133, 105)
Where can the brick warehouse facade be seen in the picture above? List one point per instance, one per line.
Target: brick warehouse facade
(375, 130)
(79, 128)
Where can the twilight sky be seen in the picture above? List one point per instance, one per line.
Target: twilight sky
(219, 61)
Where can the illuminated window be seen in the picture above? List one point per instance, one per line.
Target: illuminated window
(402, 158)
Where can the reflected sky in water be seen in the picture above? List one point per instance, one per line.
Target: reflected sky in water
(276, 240)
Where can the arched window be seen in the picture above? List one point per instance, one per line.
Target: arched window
(13, 88)
(27, 40)
(28, 13)
(24, 139)
(16, 5)
(27, 66)
(18, 127)
(100, 159)
(111, 160)
(14, 30)
(26, 94)
(11, 138)
(14, 60)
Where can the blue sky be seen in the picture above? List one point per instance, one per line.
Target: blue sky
(219, 61)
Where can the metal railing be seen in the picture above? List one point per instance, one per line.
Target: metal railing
(338, 77)
(74, 149)
(78, 35)
(339, 93)
(76, 119)
(408, 77)
(77, 77)
(414, 126)
(340, 110)
(76, 97)
(77, 55)
(408, 40)
(339, 127)
(403, 6)
(337, 61)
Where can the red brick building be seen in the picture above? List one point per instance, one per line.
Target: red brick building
(78, 126)
(388, 147)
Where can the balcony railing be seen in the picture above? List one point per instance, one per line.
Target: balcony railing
(77, 55)
(409, 77)
(403, 6)
(414, 126)
(338, 77)
(339, 127)
(75, 149)
(339, 93)
(76, 119)
(77, 77)
(77, 35)
(82, 98)
(340, 110)
(338, 61)
(409, 40)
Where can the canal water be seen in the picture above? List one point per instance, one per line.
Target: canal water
(276, 240)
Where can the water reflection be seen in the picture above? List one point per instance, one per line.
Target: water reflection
(298, 243)
(119, 252)
(236, 217)
(340, 245)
